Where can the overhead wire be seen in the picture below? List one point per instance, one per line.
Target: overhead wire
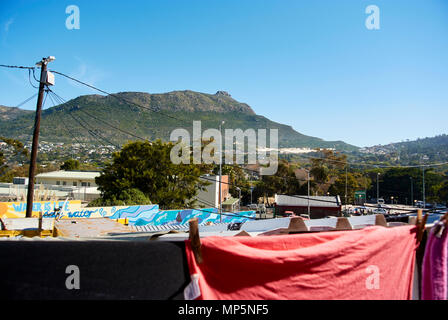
(182, 120)
(89, 131)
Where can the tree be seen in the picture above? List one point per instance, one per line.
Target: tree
(329, 164)
(284, 181)
(18, 150)
(70, 164)
(147, 167)
(128, 197)
(356, 181)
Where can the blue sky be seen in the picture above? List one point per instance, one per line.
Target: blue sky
(310, 64)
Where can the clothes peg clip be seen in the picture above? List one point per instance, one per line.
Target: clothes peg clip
(421, 224)
(440, 226)
(195, 240)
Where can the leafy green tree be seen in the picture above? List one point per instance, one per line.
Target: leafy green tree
(356, 181)
(70, 164)
(284, 181)
(401, 182)
(147, 167)
(128, 197)
(18, 151)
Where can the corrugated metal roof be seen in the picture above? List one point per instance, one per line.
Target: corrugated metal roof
(300, 200)
(61, 174)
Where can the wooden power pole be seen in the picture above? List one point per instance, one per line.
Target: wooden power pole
(35, 145)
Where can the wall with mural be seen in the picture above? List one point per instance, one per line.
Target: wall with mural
(177, 217)
(136, 215)
(18, 209)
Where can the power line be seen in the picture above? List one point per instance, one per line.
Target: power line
(108, 124)
(182, 120)
(30, 98)
(232, 165)
(230, 214)
(115, 96)
(15, 67)
(65, 127)
(95, 135)
(92, 130)
(374, 165)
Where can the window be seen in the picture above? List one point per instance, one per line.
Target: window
(58, 183)
(88, 184)
(75, 184)
(64, 183)
(84, 184)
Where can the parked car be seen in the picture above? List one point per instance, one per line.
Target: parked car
(253, 206)
(379, 211)
(359, 211)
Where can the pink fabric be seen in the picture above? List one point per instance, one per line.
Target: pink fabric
(325, 265)
(435, 265)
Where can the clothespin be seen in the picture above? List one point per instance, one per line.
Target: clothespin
(441, 225)
(195, 240)
(421, 224)
(39, 226)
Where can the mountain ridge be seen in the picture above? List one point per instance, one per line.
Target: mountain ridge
(155, 120)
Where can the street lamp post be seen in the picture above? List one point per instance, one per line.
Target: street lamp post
(251, 188)
(377, 187)
(239, 198)
(220, 175)
(424, 200)
(308, 172)
(412, 190)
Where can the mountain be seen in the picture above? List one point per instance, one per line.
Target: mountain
(11, 113)
(431, 149)
(84, 116)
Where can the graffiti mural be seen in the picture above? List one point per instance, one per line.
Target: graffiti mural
(136, 215)
(18, 209)
(179, 217)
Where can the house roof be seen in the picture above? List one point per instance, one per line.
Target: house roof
(61, 174)
(302, 200)
(230, 201)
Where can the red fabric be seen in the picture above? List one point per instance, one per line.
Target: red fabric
(318, 266)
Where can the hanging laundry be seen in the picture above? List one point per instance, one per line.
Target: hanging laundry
(435, 265)
(372, 263)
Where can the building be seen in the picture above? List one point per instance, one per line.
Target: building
(209, 198)
(68, 178)
(319, 206)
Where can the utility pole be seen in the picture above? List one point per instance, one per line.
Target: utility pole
(412, 191)
(43, 82)
(220, 174)
(424, 200)
(346, 187)
(308, 172)
(377, 187)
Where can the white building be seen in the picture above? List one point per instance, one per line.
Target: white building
(209, 198)
(68, 178)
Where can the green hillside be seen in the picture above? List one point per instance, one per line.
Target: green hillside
(72, 121)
